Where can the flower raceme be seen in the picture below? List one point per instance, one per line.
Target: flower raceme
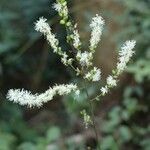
(24, 97)
(125, 54)
(97, 28)
(83, 59)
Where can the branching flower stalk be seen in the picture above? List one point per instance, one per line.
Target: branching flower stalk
(81, 62)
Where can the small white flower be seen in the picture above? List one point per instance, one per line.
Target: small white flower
(77, 92)
(64, 59)
(97, 21)
(57, 7)
(84, 58)
(104, 90)
(76, 39)
(69, 61)
(42, 26)
(88, 76)
(111, 81)
(97, 27)
(96, 74)
(61, 8)
(93, 75)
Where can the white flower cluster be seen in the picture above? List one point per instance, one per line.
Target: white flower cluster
(94, 75)
(42, 26)
(65, 60)
(24, 97)
(97, 27)
(125, 54)
(61, 8)
(57, 7)
(104, 90)
(76, 38)
(111, 81)
(84, 58)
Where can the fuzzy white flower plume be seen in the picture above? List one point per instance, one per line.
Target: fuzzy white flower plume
(57, 7)
(76, 38)
(97, 27)
(42, 26)
(125, 54)
(24, 97)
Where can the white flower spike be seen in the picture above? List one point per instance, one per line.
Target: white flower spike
(24, 97)
(97, 28)
(125, 54)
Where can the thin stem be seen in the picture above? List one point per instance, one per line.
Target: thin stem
(96, 98)
(93, 117)
(73, 67)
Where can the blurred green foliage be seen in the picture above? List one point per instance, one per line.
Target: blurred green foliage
(16, 21)
(126, 125)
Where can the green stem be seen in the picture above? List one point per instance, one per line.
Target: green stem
(92, 117)
(96, 98)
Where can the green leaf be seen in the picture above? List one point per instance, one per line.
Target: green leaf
(53, 134)
(124, 134)
(108, 143)
(7, 141)
(27, 146)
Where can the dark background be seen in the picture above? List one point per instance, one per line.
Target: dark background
(26, 61)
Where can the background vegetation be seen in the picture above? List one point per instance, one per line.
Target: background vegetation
(27, 61)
